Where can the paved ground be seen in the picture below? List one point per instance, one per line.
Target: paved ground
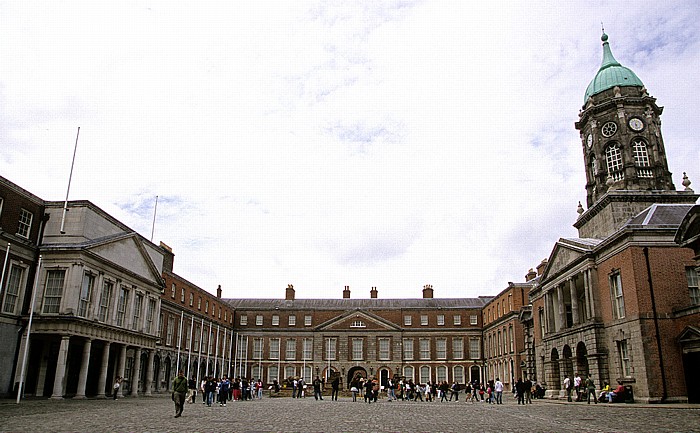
(155, 414)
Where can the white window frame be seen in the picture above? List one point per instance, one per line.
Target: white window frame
(274, 348)
(617, 295)
(292, 320)
(625, 362)
(408, 349)
(441, 348)
(424, 320)
(473, 319)
(307, 320)
(457, 348)
(243, 320)
(693, 289)
(457, 320)
(407, 320)
(290, 352)
(358, 349)
(258, 320)
(424, 348)
(275, 320)
(13, 288)
(384, 348)
(441, 320)
(24, 223)
(53, 292)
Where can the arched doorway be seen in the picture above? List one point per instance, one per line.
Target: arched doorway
(554, 379)
(475, 374)
(384, 376)
(156, 373)
(581, 359)
(166, 373)
(568, 363)
(354, 375)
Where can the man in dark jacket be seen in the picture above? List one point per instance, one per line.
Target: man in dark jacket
(179, 392)
(317, 389)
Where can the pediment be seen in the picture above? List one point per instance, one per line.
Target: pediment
(563, 255)
(689, 339)
(130, 254)
(358, 321)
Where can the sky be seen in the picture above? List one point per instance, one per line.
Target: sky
(325, 144)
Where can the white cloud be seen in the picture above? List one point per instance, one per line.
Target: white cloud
(390, 144)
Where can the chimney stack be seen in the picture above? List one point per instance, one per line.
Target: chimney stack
(541, 267)
(346, 292)
(289, 293)
(530, 275)
(218, 292)
(427, 291)
(373, 293)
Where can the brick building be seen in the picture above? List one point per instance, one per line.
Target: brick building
(613, 302)
(425, 339)
(503, 334)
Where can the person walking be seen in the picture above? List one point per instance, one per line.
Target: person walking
(567, 387)
(590, 390)
(116, 387)
(498, 387)
(336, 387)
(317, 389)
(179, 392)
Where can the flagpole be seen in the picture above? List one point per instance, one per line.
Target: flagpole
(199, 352)
(179, 340)
(29, 330)
(189, 351)
(216, 352)
(153, 227)
(70, 177)
(230, 350)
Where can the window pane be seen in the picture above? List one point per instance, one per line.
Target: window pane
(54, 290)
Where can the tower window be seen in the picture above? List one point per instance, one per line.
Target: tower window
(613, 156)
(641, 159)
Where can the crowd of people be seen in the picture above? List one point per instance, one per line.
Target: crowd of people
(578, 389)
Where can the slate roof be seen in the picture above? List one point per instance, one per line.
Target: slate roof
(366, 304)
(661, 215)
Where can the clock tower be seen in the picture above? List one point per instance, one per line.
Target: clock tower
(623, 150)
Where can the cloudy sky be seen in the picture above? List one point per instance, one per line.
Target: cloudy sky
(323, 144)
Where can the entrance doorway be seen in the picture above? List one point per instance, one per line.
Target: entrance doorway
(384, 377)
(354, 375)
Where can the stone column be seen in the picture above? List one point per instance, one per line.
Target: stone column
(149, 372)
(574, 300)
(561, 308)
(82, 378)
(136, 374)
(122, 366)
(102, 381)
(58, 383)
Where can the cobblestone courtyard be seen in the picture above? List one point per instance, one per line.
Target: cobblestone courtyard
(155, 414)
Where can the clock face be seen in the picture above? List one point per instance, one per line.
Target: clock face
(636, 124)
(609, 129)
(589, 140)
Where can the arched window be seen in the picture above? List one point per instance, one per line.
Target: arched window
(613, 158)
(458, 374)
(408, 372)
(641, 158)
(272, 374)
(424, 374)
(441, 373)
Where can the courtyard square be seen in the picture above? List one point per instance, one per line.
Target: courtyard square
(155, 414)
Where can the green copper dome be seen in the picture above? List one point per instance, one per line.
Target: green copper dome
(610, 74)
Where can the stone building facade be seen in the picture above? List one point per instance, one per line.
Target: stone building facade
(96, 310)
